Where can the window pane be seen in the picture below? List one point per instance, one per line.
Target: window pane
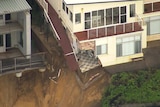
(119, 50)
(71, 16)
(116, 15)
(98, 50)
(63, 6)
(1, 17)
(137, 46)
(1, 40)
(88, 25)
(78, 18)
(155, 26)
(123, 19)
(104, 49)
(94, 19)
(108, 16)
(132, 10)
(100, 17)
(87, 16)
(67, 10)
(128, 48)
(123, 10)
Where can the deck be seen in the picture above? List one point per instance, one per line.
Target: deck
(13, 61)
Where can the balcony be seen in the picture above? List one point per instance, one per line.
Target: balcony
(10, 26)
(109, 31)
(151, 7)
(13, 61)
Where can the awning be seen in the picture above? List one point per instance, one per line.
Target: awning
(10, 6)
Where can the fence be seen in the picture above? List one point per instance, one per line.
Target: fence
(22, 63)
(113, 30)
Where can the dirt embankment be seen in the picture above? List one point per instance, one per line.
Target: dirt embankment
(35, 89)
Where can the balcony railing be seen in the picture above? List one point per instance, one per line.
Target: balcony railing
(151, 7)
(10, 26)
(22, 63)
(114, 30)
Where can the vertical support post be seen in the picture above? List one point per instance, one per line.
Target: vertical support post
(152, 6)
(106, 31)
(115, 29)
(133, 26)
(1, 66)
(30, 61)
(124, 28)
(15, 64)
(88, 34)
(97, 32)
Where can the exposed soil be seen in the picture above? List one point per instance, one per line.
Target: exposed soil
(35, 89)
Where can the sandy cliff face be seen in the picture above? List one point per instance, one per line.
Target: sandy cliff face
(35, 89)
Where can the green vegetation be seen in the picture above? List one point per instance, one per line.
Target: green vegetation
(137, 87)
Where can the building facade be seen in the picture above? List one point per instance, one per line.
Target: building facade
(15, 26)
(112, 31)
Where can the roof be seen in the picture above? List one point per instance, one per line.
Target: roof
(64, 40)
(90, 1)
(10, 6)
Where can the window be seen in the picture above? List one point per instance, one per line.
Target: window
(71, 16)
(132, 10)
(21, 39)
(94, 18)
(115, 15)
(102, 49)
(63, 6)
(100, 17)
(1, 17)
(108, 16)
(97, 18)
(123, 14)
(153, 25)
(128, 45)
(78, 18)
(105, 17)
(87, 20)
(1, 40)
(66, 9)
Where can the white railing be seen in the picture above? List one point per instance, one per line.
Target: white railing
(44, 4)
(12, 65)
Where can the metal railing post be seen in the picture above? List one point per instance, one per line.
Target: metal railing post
(115, 29)
(97, 33)
(152, 6)
(15, 65)
(88, 34)
(30, 61)
(1, 66)
(105, 31)
(133, 26)
(124, 28)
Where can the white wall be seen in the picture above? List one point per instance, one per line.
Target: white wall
(110, 58)
(91, 7)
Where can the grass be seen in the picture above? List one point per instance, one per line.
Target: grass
(139, 87)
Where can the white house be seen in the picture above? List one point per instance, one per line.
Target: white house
(15, 25)
(114, 31)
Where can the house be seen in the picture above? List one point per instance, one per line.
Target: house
(15, 39)
(15, 26)
(151, 17)
(109, 31)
